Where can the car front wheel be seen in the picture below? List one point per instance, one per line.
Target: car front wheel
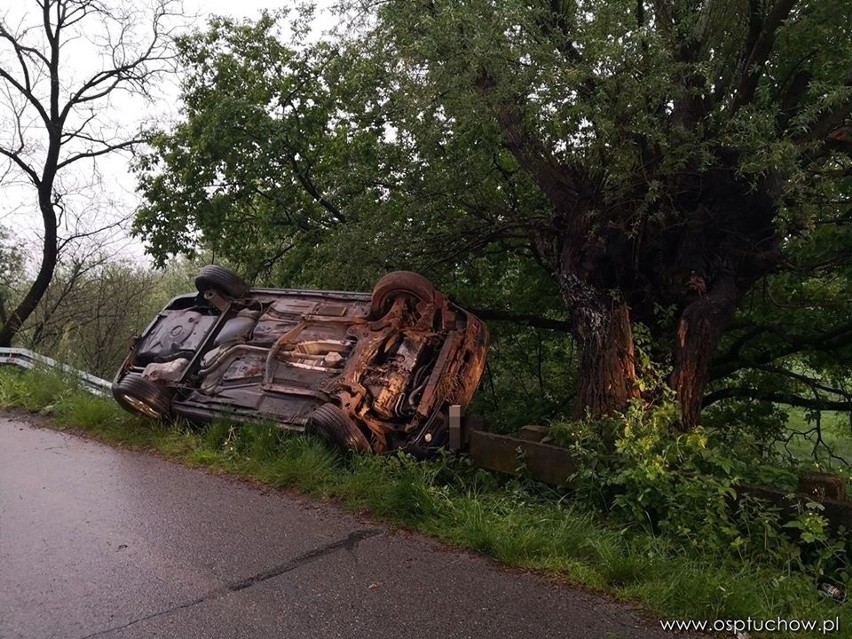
(330, 422)
(138, 395)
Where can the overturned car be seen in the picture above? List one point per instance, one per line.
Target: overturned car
(370, 372)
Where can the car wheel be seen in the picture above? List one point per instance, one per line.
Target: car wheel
(331, 423)
(222, 280)
(399, 283)
(138, 395)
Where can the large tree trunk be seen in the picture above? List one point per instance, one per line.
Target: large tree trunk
(45, 274)
(699, 330)
(604, 339)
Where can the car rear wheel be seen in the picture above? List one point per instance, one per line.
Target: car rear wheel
(222, 280)
(331, 423)
(138, 395)
(399, 283)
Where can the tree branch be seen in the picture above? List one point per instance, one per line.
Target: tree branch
(830, 125)
(812, 383)
(27, 94)
(108, 80)
(663, 17)
(527, 149)
(109, 148)
(313, 191)
(26, 168)
(759, 54)
(555, 26)
(792, 344)
(534, 321)
(789, 399)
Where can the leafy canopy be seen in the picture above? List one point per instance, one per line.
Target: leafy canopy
(448, 137)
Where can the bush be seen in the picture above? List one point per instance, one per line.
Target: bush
(684, 487)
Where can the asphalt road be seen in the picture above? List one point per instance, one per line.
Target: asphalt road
(99, 542)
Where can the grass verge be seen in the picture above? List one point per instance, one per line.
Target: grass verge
(521, 524)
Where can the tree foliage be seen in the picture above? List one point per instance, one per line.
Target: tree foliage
(11, 270)
(591, 166)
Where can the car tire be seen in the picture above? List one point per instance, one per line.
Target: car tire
(331, 423)
(222, 280)
(399, 283)
(138, 395)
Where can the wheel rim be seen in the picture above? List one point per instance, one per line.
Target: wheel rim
(141, 406)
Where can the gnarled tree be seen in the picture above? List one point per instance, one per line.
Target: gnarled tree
(682, 146)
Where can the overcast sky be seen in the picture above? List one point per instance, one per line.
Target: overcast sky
(116, 197)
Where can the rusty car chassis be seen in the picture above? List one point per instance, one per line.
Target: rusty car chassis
(370, 372)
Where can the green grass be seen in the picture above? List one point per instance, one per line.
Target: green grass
(518, 523)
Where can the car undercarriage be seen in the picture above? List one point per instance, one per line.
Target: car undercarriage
(370, 372)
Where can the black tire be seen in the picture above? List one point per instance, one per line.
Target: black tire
(399, 283)
(222, 280)
(138, 395)
(331, 423)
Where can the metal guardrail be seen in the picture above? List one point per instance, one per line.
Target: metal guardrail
(27, 359)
